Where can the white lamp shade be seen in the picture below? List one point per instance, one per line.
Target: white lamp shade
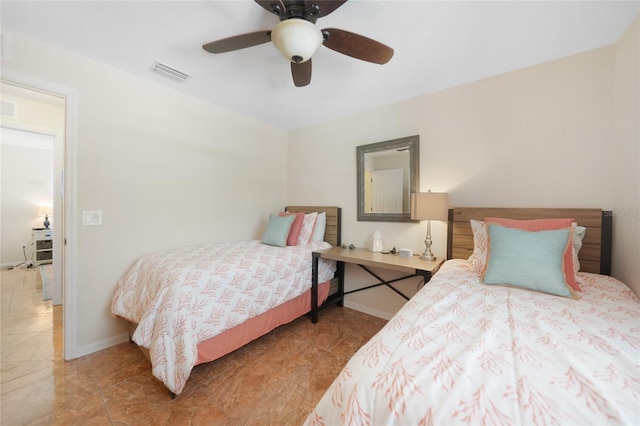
(429, 206)
(296, 39)
(45, 211)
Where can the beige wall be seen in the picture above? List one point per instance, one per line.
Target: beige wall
(166, 169)
(625, 145)
(537, 137)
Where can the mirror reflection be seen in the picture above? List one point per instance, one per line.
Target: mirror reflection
(387, 175)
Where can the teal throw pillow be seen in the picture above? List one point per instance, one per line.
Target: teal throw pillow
(532, 260)
(277, 230)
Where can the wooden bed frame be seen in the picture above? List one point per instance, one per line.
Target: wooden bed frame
(262, 324)
(595, 255)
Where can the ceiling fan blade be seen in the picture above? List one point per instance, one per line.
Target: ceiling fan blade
(238, 42)
(276, 7)
(357, 46)
(320, 8)
(301, 73)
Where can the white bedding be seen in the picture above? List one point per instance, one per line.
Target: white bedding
(460, 352)
(184, 296)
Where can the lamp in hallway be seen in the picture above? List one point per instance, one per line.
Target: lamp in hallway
(429, 206)
(45, 211)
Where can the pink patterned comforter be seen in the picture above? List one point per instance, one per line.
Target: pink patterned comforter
(460, 352)
(184, 296)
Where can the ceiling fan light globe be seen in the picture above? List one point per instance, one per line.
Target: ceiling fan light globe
(296, 39)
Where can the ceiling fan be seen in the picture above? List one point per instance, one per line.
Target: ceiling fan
(297, 37)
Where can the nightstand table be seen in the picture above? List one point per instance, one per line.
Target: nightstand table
(43, 242)
(413, 266)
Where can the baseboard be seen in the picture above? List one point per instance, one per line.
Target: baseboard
(368, 310)
(102, 344)
(12, 265)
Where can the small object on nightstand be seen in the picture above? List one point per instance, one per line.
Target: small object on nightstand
(376, 242)
(405, 252)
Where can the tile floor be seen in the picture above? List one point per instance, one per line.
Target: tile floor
(275, 380)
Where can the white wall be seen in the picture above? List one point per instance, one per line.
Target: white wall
(27, 183)
(166, 169)
(625, 145)
(537, 137)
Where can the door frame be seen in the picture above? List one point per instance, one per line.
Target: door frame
(70, 202)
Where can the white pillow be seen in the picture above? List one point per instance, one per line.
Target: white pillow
(308, 223)
(578, 236)
(318, 230)
(480, 246)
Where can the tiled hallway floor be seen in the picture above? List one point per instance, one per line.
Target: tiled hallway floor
(275, 380)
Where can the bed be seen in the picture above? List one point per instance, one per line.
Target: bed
(465, 352)
(192, 305)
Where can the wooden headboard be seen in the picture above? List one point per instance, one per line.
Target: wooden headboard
(333, 230)
(595, 255)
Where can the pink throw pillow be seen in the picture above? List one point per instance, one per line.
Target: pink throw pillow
(296, 227)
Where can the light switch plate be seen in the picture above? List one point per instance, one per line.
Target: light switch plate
(91, 217)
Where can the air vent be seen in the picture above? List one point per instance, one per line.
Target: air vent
(8, 109)
(169, 72)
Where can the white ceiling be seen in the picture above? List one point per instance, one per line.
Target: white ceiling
(438, 44)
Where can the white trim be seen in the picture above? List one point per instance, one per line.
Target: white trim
(29, 128)
(32, 140)
(368, 310)
(70, 311)
(103, 344)
(70, 295)
(11, 265)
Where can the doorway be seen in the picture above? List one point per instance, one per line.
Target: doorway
(63, 184)
(33, 150)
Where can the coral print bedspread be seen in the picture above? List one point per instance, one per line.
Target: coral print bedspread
(184, 296)
(461, 352)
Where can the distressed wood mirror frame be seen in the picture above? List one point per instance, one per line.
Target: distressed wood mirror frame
(410, 144)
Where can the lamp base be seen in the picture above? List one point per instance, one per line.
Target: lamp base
(428, 254)
(428, 257)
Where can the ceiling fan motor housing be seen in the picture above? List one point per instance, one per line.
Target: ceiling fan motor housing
(297, 39)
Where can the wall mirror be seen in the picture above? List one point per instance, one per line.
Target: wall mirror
(388, 172)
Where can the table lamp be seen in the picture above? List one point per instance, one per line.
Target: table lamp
(429, 206)
(45, 211)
